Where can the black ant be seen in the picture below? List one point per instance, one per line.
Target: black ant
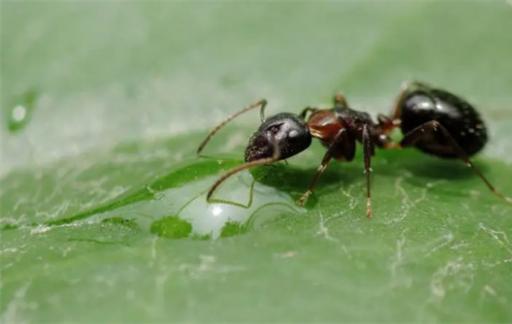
(433, 120)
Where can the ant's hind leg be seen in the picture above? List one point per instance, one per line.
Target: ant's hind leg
(260, 103)
(340, 101)
(388, 123)
(428, 129)
(406, 88)
(309, 109)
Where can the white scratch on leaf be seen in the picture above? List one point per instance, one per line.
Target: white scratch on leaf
(398, 257)
(353, 201)
(500, 237)
(153, 252)
(8, 250)
(13, 310)
(286, 255)
(458, 246)
(490, 292)
(405, 205)
(453, 275)
(323, 230)
(39, 229)
(440, 242)
(207, 264)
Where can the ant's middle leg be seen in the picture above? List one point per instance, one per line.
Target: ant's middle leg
(427, 130)
(339, 138)
(321, 168)
(387, 123)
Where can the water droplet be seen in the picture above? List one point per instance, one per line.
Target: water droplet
(18, 113)
(21, 111)
(235, 211)
(184, 212)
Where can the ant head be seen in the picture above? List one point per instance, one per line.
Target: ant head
(289, 133)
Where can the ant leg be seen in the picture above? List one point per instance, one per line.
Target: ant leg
(306, 110)
(428, 128)
(340, 100)
(367, 152)
(321, 168)
(261, 103)
(388, 123)
(323, 165)
(406, 88)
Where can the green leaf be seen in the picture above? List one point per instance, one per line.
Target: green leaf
(102, 198)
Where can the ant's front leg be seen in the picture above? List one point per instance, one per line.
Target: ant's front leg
(427, 130)
(339, 138)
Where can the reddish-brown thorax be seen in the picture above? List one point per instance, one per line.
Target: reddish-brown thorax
(324, 125)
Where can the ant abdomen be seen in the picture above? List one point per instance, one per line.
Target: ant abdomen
(421, 104)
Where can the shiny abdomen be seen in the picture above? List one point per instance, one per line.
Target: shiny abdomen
(459, 117)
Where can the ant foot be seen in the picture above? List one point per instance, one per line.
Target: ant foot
(302, 201)
(369, 208)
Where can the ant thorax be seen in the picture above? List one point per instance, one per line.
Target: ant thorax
(324, 125)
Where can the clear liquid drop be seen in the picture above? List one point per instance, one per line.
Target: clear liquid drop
(20, 113)
(184, 212)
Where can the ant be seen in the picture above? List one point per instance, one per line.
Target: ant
(432, 120)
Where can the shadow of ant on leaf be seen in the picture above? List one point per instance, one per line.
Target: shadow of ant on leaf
(294, 180)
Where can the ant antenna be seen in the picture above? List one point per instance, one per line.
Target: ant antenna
(261, 103)
(246, 165)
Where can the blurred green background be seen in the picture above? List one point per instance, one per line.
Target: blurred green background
(116, 97)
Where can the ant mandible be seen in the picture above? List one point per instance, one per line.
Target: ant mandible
(434, 121)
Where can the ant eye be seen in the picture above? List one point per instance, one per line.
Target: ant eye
(275, 129)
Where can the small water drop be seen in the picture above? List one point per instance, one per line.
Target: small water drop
(235, 211)
(20, 113)
(184, 212)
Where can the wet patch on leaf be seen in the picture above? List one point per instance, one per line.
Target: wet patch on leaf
(171, 227)
(232, 229)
